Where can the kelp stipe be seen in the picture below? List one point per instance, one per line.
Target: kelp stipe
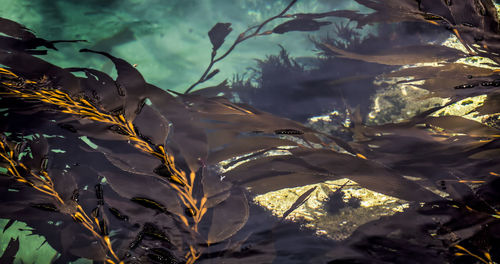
(219, 32)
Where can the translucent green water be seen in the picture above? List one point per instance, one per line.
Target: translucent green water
(166, 39)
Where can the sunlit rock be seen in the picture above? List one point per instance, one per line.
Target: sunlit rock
(325, 213)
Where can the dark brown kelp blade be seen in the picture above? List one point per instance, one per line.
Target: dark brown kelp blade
(9, 224)
(218, 34)
(100, 88)
(442, 80)
(403, 55)
(300, 201)
(76, 243)
(9, 254)
(305, 167)
(129, 79)
(22, 39)
(15, 29)
(244, 145)
(35, 68)
(214, 91)
(149, 203)
(156, 134)
(457, 124)
(311, 168)
(299, 25)
(274, 153)
(491, 105)
(228, 217)
(385, 11)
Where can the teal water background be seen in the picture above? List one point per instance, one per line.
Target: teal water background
(166, 39)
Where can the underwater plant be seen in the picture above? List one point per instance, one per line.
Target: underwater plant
(117, 170)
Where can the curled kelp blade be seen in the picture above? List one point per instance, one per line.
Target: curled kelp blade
(443, 153)
(312, 166)
(368, 174)
(9, 254)
(14, 29)
(101, 89)
(34, 68)
(378, 236)
(300, 201)
(233, 125)
(457, 124)
(214, 187)
(22, 39)
(454, 80)
(152, 126)
(491, 105)
(300, 24)
(472, 21)
(131, 160)
(228, 217)
(402, 55)
(245, 145)
(128, 79)
(218, 34)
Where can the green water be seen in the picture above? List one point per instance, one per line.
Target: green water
(166, 39)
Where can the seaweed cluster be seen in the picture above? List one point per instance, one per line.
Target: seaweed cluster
(133, 174)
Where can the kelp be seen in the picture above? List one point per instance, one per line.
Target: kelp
(135, 174)
(402, 56)
(284, 85)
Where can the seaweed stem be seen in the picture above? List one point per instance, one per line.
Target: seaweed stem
(241, 37)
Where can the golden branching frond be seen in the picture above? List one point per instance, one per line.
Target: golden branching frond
(43, 183)
(183, 184)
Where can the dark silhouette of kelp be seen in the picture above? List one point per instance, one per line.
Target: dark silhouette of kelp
(219, 32)
(133, 174)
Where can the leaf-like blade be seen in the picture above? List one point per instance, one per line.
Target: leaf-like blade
(300, 201)
(9, 255)
(228, 217)
(300, 25)
(218, 34)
